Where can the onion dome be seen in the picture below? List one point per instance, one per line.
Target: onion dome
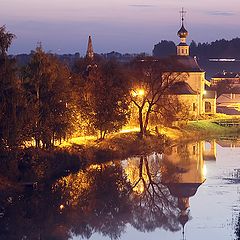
(182, 33)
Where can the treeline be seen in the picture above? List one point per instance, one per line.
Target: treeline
(47, 101)
(24, 59)
(217, 49)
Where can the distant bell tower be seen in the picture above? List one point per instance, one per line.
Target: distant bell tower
(182, 48)
(90, 53)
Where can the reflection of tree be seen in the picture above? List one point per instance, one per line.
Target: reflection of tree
(153, 206)
(237, 228)
(100, 199)
(32, 215)
(102, 205)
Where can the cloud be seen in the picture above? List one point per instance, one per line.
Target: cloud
(221, 13)
(142, 5)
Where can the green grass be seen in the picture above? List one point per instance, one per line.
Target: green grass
(209, 127)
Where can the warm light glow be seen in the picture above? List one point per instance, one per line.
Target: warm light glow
(127, 130)
(141, 92)
(61, 207)
(204, 171)
(204, 92)
(138, 92)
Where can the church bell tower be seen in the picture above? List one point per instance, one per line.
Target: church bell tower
(182, 48)
(90, 53)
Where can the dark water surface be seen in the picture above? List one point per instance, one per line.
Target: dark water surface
(189, 192)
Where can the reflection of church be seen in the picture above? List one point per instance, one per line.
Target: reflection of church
(184, 171)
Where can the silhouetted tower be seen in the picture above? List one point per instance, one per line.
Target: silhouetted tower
(90, 53)
(182, 47)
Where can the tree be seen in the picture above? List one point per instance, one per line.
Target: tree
(164, 49)
(5, 40)
(104, 98)
(224, 86)
(170, 109)
(48, 92)
(152, 79)
(10, 95)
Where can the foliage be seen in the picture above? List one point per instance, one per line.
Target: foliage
(223, 86)
(11, 102)
(5, 40)
(103, 100)
(164, 49)
(47, 87)
(218, 49)
(152, 80)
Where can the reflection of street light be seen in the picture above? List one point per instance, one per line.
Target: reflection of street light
(204, 171)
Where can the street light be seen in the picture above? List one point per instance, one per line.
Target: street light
(138, 92)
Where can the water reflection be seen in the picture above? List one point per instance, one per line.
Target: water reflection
(147, 193)
(183, 173)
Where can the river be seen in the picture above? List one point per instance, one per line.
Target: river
(191, 191)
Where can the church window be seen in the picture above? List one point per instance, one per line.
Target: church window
(194, 107)
(194, 150)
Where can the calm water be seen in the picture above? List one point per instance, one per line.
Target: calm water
(189, 192)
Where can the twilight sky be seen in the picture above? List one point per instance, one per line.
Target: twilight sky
(131, 26)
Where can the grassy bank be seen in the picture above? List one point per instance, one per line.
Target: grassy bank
(45, 166)
(116, 146)
(126, 144)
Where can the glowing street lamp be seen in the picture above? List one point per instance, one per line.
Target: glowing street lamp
(138, 92)
(141, 92)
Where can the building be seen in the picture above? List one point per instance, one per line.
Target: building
(193, 90)
(231, 77)
(227, 85)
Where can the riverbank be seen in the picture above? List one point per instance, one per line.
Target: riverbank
(36, 165)
(127, 143)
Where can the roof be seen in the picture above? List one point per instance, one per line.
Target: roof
(234, 90)
(225, 74)
(182, 44)
(185, 64)
(181, 88)
(182, 32)
(183, 189)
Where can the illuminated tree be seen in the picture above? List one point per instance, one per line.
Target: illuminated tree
(152, 80)
(104, 101)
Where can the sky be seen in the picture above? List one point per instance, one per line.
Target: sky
(133, 26)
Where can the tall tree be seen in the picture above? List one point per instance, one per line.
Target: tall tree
(47, 85)
(10, 108)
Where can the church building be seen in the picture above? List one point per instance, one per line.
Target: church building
(192, 90)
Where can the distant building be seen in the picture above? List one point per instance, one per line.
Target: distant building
(228, 102)
(231, 77)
